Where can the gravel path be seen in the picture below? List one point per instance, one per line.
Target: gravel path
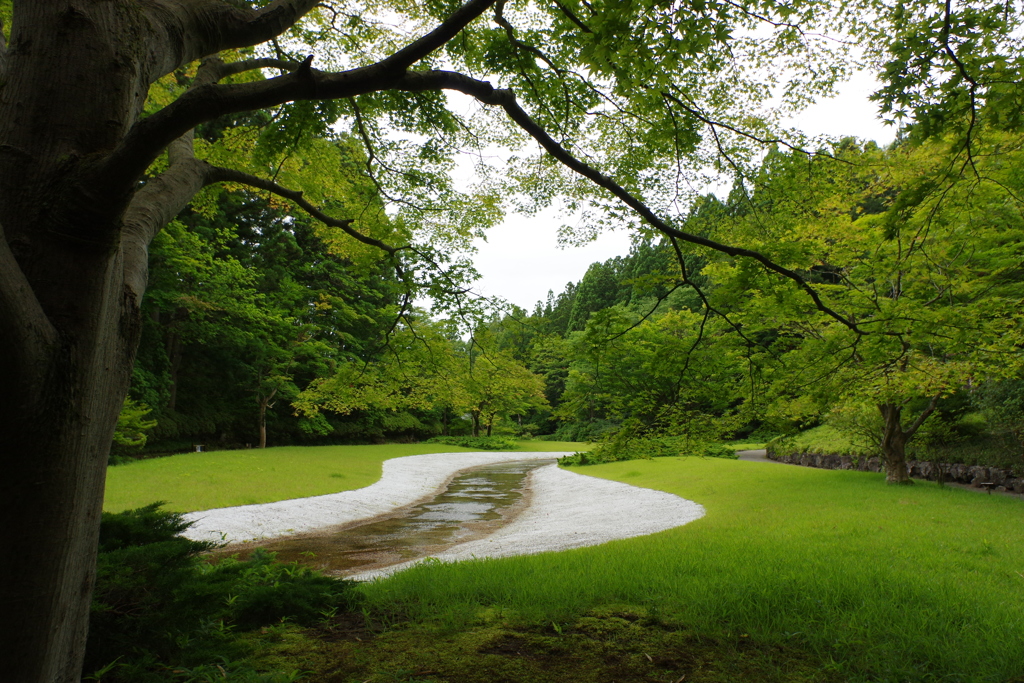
(756, 455)
(567, 510)
(570, 510)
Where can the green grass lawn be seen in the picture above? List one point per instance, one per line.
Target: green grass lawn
(201, 481)
(795, 574)
(869, 581)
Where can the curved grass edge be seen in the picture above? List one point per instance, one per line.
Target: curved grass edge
(216, 479)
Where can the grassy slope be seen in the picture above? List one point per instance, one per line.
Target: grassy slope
(826, 439)
(201, 481)
(874, 582)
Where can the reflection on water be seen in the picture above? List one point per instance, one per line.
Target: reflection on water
(474, 505)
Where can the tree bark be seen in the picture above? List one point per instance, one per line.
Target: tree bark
(55, 450)
(895, 439)
(75, 76)
(894, 444)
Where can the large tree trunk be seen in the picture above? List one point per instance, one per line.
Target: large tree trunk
(894, 445)
(56, 430)
(70, 325)
(895, 439)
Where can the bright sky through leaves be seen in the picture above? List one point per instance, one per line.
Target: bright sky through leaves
(521, 259)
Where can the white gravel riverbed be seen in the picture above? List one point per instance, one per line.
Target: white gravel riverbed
(567, 510)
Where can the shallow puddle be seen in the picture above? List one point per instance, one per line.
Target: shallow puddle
(475, 504)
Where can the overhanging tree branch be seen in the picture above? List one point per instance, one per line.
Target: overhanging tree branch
(150, 136)
(487, 94)
(421, 47)
(182, 32)
(155, 205)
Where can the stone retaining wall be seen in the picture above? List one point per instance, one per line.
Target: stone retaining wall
(972, 475)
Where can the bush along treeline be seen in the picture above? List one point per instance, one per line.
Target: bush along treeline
(899, 327)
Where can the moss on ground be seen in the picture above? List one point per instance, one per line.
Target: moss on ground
(614, 643)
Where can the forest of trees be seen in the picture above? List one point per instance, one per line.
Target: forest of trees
(253, 327)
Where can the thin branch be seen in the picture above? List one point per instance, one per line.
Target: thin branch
(571, 16)
(229, 175)
(696, 112)
(510, 33)
(964, 74)
(687, 280)
(371, 153)
(487, 94)
(912, 429)
(645, 316)
(372, 157)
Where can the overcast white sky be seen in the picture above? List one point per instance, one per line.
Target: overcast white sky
(521, 259)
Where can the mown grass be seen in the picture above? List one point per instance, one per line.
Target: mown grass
(202, 481)
(872, 582)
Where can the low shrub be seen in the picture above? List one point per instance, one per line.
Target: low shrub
(985, 449)
(645, 449)
(482, 443)
(159, 607)
(585, 431)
